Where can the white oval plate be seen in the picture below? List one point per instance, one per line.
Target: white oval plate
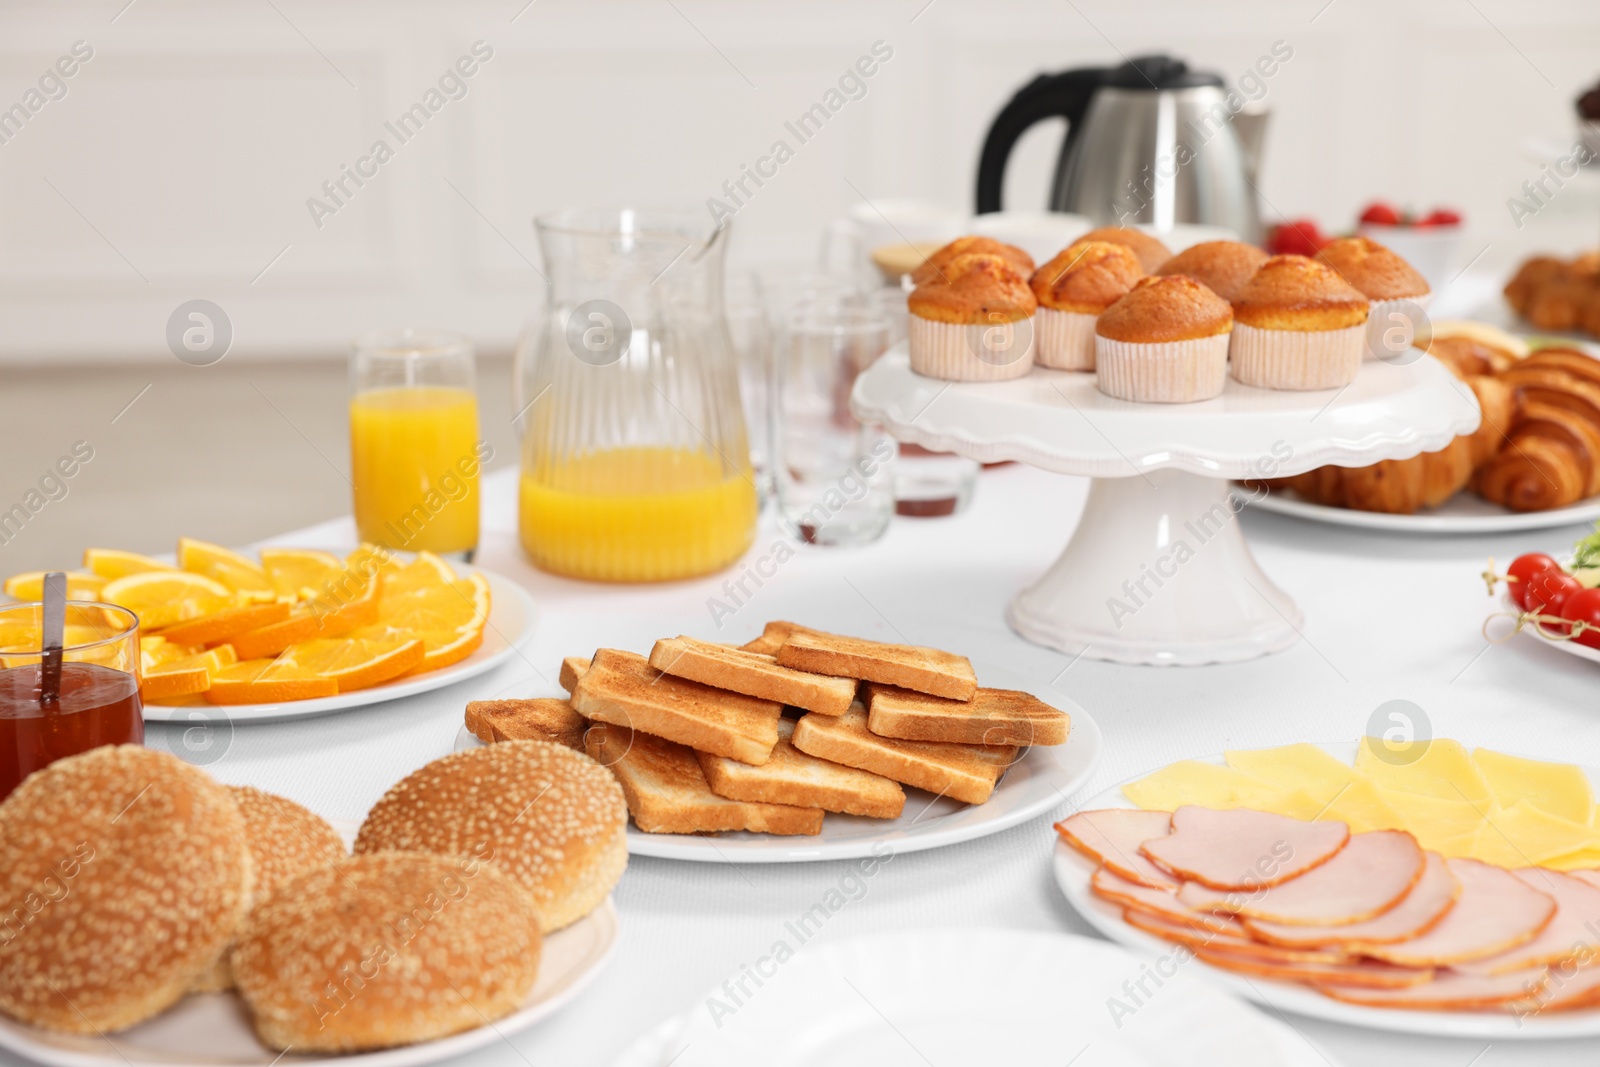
(512, 615)
(213, 1029)
(1571, 648)
(1041, 780)
(1073, 870)
(968, 996)
(1463, 513)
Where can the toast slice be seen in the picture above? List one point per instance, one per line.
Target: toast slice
(667, 792)
(964, 772)
(572, 668)
(926, 670)
(792, 777)
(622, 688)
(991, 717)
(773, 637)
(752, 674)
(537, 719)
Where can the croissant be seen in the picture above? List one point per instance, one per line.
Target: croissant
(1553, 460)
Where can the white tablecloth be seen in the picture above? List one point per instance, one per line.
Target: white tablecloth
(1387, 617)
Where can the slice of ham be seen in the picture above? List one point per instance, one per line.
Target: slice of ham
(1161, 902)
(1592, 877)
(1573, 933)
(1429, 900)
(1243, 849)
(1367, 974)
(1449, 991)
(1113, 836)
(1235, 945)
(1370, 875)
(1496, 912)
(1566, 987)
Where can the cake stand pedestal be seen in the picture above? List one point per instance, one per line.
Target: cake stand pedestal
(1158, 571)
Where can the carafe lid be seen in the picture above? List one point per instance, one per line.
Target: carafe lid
(1159, 72)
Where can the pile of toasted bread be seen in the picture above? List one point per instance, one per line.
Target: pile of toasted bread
(770, 735)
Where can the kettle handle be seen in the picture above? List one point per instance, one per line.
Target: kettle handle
(1049, 95)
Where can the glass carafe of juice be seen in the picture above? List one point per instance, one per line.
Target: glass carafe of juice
(635, 460)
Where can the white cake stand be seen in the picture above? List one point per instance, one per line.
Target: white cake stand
(1158, 571)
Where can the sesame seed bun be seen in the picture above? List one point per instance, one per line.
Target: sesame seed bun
(123, 875)
(1163, 308)
(1221, 266)
(1296, 293)
(551, 818)
(285, 840)
(383, 950)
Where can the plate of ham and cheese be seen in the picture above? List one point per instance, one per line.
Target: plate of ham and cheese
(1425, 888)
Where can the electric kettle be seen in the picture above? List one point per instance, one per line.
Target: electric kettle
(1150, 141)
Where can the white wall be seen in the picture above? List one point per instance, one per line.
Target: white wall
(179, 163)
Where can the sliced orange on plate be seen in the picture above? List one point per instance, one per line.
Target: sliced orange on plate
(226, 566)
(30, 586)
(165, 597)
(248, 682)
(111, 563)
(167, 683)
(352, 664)
(269, 640)
(301, 573)
(227, 623)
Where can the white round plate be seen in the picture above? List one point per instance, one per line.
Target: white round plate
(968, 996)
(1073, 870)
(213, 1029)
(1463, 513)
(511, 620)
(1042, 779)
(1059, 421)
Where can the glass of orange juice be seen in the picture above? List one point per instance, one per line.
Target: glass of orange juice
(414, 447)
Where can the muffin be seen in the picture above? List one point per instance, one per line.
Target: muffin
(934, 267)
(1383, 277)
(1221, 266)
(1151, 252)
(973, 322)
(1073, 289)
(1297, 325)
(1166, 341)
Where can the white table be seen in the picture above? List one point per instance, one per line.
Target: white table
(1387, 617)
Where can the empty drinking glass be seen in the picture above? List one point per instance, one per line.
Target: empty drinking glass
(751, 332)
(834, 475)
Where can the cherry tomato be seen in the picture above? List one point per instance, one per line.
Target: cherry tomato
(1548, 592)
(1584, 606)
(1522, 569)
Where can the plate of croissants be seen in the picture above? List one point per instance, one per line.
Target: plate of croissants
(1533, 462)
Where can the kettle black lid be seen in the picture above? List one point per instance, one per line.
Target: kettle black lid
(1159, 72)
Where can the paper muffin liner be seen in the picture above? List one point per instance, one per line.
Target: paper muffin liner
(970, 352)
(1296, 359)
(1164, 372)
(1064, 339)
(1378, 321)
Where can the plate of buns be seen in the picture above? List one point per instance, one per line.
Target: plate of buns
(155, 916)
(805, 745)
(1533, 462)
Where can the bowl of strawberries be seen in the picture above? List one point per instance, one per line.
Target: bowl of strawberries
(1430, 242)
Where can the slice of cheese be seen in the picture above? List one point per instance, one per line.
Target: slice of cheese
(1362, 807)
(1560, 789)
(1207, 784)
(1449, 827)
(1438, 768)
(1526, 836)
(1303, 766)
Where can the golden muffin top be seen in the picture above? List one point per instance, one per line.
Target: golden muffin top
(1166, 307)
(1221, 266)
(1151, 252)
(974, 288)
(939, 262)
(1086, 277)
(1297, 293)
(1376, 271)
